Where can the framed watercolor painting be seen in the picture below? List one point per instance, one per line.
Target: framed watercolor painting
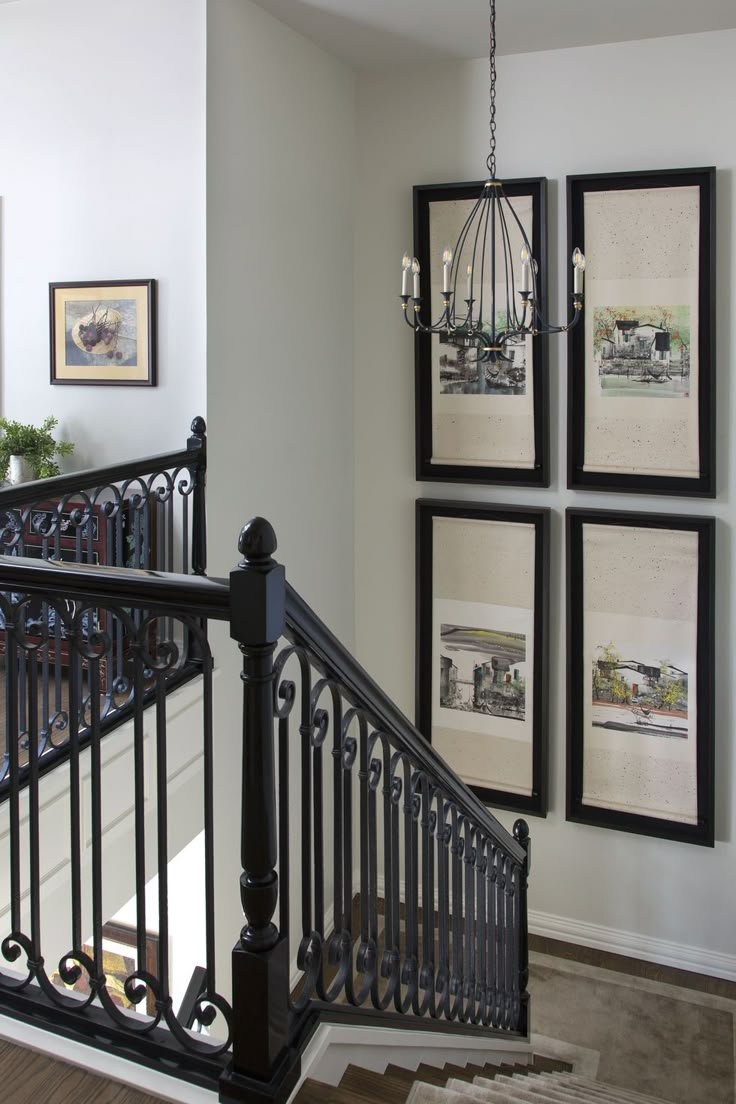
(641, 371)
(479, 423)
(104, 333)
(118, 961)
(641, 673)
(481, 657)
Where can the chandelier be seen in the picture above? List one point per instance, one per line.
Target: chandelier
(501, 304)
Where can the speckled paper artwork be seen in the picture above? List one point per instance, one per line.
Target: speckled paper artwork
(482, 414)
(482, 650)
(640, 645)
(642, 331)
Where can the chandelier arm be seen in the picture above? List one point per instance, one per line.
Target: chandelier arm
(511, 315)
(484, 219)
(460, 244)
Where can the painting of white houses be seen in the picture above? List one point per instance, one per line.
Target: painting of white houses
(642, 351)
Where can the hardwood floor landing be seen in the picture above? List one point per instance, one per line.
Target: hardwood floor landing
(27, 1077)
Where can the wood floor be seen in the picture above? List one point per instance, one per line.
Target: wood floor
(30, 1078)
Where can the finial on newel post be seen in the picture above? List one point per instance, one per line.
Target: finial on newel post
(260, 958)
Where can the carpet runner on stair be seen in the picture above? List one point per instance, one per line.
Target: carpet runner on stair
(542, 1081)
(522, 1088)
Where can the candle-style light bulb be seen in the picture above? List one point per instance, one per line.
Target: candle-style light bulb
(446, 269)
(415, 270)
(578, 268)
(405, 270)
(525, 283)
(470, 281)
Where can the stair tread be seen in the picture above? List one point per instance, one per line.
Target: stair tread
(317, 1092)
(422, 1093)
(520, 1089)
(366, 1083)
(622, 1093)
(472, 1091)
(545, 1064)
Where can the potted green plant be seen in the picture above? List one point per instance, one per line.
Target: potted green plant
(29, 452)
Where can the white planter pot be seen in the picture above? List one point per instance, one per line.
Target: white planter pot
(19, 470)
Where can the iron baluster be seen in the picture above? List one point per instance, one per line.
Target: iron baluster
(34, 811)
(521, 835)
(426, 970)
(96, 809)
(75, 807)
(162, 829)
(443, 889)
(457, 850)
(198, 441)
(468, 989)
(412, 812)
(12, 740)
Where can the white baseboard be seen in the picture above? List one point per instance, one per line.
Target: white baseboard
(634, 945)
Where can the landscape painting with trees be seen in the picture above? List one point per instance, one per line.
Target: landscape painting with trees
(633, 692)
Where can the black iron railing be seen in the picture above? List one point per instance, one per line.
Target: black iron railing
(148, 513)
(411, 895)
(375, 886)
(162, 617)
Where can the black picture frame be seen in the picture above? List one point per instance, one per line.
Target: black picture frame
(539, 517)
(703, 485)
(578, 674)
(426, 470)
(143, 373)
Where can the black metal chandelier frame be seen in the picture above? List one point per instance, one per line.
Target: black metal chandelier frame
(484, 246)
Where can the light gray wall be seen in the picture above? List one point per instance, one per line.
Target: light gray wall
(280, 175)
(643, 105)
(102, 176)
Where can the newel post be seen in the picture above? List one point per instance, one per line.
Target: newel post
(521, 835)
(260, 958)
(198, 440)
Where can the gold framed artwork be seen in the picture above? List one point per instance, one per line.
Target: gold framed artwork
(103, 333)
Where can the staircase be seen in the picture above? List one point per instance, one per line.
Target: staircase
(542, 1081)
(379, 892)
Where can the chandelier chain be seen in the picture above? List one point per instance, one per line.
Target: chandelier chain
(491, 162)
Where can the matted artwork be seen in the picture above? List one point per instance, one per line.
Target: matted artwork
(479, 422)
(640, 670)
(104, 333)
(640, 367)
(481, 657)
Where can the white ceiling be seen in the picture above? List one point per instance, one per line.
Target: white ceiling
(379, 33)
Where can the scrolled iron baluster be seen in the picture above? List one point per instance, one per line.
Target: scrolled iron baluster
(366, 961)
(494, 940)
(522, 837)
